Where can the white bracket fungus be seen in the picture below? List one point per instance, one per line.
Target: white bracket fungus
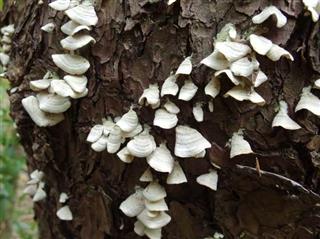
(150, 96)
(169, 86)
(48, 27)
(197, 111)
(282, 118)
(213, 87)
(313, 6)
(187, 91)
(35, 186)
(308, 101)
(189, 142)
(177, 175)
(161, 159)
(64, 213)
(209, 180)
(185, 67)
(239, 145)
(269, 11)
(164, 119)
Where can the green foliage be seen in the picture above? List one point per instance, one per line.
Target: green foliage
(12, 163)
(1, 5)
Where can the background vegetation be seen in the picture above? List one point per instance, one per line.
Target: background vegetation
(16, 215)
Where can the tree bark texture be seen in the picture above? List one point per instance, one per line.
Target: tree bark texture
(141, 42)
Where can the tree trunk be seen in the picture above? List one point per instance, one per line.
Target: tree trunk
(141, 42)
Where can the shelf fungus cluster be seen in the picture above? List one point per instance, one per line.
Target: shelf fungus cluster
(64, 213)
(53, 94)
(35, 186)
(149, 207)
(313, 6)
(6, 42)
(235, 58)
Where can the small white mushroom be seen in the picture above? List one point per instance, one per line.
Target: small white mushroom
(60, 87)
(72, 43)
(38, 85)
(48, 27)
(65, 213)
(170, 86)
(4, 59)
(101, 144)
(187, 91)
(154, 220)
(132, 133)
(239, 145)
(213, 87)
(154, 192)
(139, 228)
(146, 176)
(171, 107)
(63, 197)
(72, 64)
(260, 78)
(40, 193)
(209, 180)
(83, 14)
(42, 119)
(267, 12)
(242, 67)
(313, 6)
(216, 61)
(177, 175)
(142, 145)
(227, 33)
(60, 5)
(37, 175)
(197, 111)
(165, 119)
(150, 96)
(233, 50)
(156, 206)
(244, 93)
(77, 83)
(260, 44)
(51, 103)
(189, 142)
(125, 156)
(161, 159)
(6, 39)
(134, 204)
(282, 118)
(7, 30)
(185, 67)
(70, 28)
(95, 133)
(308, 101)
(114, 140)
(129, 121)
(276, 52)
(229, 74)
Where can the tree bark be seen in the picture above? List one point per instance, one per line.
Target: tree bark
(138, 43)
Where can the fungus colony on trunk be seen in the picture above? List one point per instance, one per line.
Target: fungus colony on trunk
(6, 42)
(53, 94)
(233, 57)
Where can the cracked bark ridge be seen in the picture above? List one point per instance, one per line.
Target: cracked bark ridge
(138, 43)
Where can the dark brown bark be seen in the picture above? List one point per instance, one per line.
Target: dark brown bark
(140, 42)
